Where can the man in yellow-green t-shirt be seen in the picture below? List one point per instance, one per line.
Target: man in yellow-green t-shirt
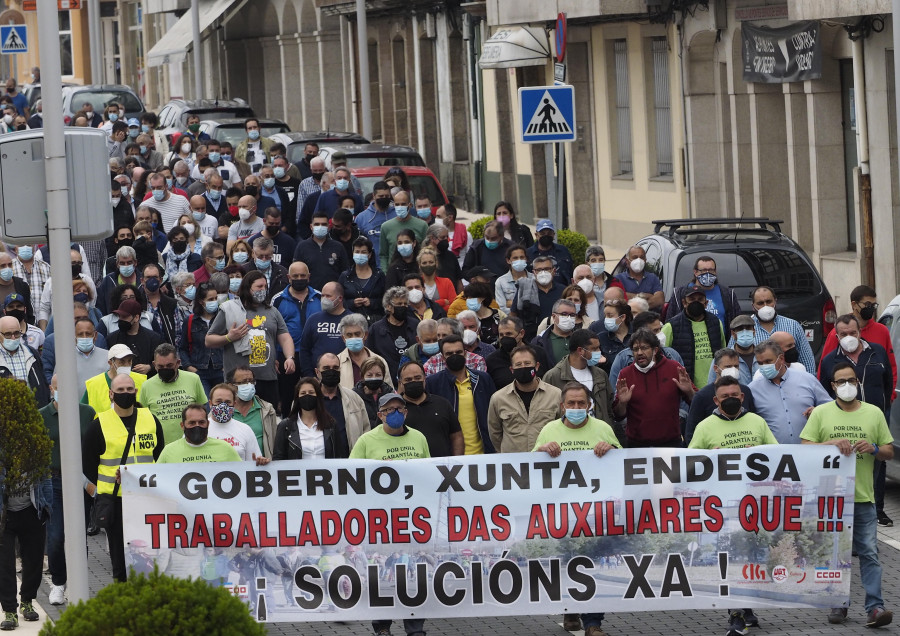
(196, 445)
(730, 425)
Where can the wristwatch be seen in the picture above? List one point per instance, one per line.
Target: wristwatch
(875, 447)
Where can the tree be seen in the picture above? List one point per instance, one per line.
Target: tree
(782, 553)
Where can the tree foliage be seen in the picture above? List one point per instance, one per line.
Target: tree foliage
(148, 605)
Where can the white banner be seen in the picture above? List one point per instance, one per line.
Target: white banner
(514, 534)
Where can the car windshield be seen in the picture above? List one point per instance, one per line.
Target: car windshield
(785, 271)
(100, 99)
(217, 113)
(236, 133)
(382, 159)
(418, 183)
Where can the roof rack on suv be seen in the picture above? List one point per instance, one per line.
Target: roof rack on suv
(675, 224)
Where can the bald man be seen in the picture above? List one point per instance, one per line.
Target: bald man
(19, 361)
(789, 347)
(249, 222)
(209, 225)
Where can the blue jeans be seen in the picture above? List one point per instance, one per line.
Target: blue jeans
(56, 533)
(865, 544)
(210, 378)
(592, 619)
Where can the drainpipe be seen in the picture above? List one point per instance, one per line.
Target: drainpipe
(365, 91)
(417, 71)
(862, 149)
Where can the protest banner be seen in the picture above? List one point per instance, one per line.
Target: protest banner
(515, 534)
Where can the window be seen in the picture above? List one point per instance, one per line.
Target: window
(65, 43)
(659, 53)
(623, 107)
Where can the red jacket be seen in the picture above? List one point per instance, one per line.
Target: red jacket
(652, 411)
(460, 238)
(873, 332)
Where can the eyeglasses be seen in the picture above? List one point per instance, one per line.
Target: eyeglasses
(705, 271)
(396, 409)
(639, 348)
(566, 315)
(867, 305)
(850, 381)
(250, 381)
(11, 334)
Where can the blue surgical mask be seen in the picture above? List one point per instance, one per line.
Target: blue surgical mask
(402, 211)
(159, 195)
(395, 420)
(56, 396)
(342, 184)
(190, 292)
(145, 128)
(320, 231)
(211, 306)
(597, 268)
(253, 134)
(473, 304)
(279, 172)
(240, 257)
(226, 157)
(11, 344)
(262, 265)
(269, 183)
(198, 216)
(113, 116)
(595, 359)
(169, 183)
(519, 265)
(125, 271)
(576, 416)
(491, 245)
(744, 338)
(406, 249)
(431, 348)
(143, 150)
(233, 284)
(769, 371)
(214, 195)
(26, 252)
(423, 213)
(6, 274)
(133, 132)
(220, 264)
(611, 324)
(214, 157)
(360, 259)
(354, 344)
(84, 344)
(245, 392)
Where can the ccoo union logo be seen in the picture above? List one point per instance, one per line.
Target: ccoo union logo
(829, 576)
(753, 572)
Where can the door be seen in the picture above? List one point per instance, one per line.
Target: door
(109, 44)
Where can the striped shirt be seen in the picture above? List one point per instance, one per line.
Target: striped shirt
(36, 279)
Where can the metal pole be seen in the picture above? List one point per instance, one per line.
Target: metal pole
(364, 90)
(95, 42)
(550, 178)
(60, 238)
(417, 70)
(198, 53)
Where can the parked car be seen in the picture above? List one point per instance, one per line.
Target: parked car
(173, 116)
(368, 155)
(890, 318)
(234, 131)
(420, 180)
(295, 142)
(32, 92)
(748, 253)
(100, 95)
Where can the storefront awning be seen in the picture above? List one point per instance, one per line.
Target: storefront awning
(510, 47)
(174, 45)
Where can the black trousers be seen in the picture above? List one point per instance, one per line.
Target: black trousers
(116, 542)
(268, 390)
(25, 526)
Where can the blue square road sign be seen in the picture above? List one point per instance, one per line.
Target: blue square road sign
(547, 114)
(13, 38)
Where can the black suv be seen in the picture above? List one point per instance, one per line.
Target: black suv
(173, 116)
(748, 253)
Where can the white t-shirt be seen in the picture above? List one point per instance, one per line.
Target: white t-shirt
(209, 226)
(593, 309)
(239, 435)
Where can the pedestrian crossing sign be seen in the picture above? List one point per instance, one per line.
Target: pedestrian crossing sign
(13, 38)
(547, 114)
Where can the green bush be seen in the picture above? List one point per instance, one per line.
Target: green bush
(476, 228)
(576, 242)
(148, 605)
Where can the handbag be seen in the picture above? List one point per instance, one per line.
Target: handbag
(104, 509)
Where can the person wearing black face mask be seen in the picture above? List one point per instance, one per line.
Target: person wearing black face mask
(371, 388)
(319, 438)
(391, 336)
(370, 220)
(196, 445)
(438, 236)
(346, 407)
(170, 390)
(499, 366)
(178, 258)
(131, 333)
(101, 455)
(732, 426)
(695, 334)
(545, 232)
(429, 414)
(518, 412)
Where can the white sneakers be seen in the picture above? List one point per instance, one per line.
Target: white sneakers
(57, 595)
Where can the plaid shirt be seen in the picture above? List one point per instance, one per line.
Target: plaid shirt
(19, 362)
(307, 187)
(95, 251)
(40, 274)
(783, 323)
(436, 363)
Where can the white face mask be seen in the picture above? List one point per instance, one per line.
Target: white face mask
(662, 339)
(587, 285)
(469, 337)
(244, 214)
(766, 313)
(731, 372)
(566, 323)
(637, 265)
(846, 393)
(415, 296)
(544, 278)
(849, 343)
(647, 368)
(185, 148)
(123, 370)
(189, 228)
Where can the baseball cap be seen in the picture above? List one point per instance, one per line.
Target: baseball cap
(12, 298)
(128, 308)
(694, 288)
(479, 270)
(134, 122)
(338, 155)
(742, 321)
(545, 224)
(387, 397)
(118, 351)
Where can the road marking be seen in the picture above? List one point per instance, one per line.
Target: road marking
(891, 542)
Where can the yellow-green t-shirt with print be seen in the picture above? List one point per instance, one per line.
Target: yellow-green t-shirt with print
(379, 444)
(828, 422)
(585, 437)
(716, 432)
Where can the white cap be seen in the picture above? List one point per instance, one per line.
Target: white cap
(118, 351)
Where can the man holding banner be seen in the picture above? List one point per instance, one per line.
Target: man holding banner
(393, 440)
(857, 428)
(577, 431)
(196, 445)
